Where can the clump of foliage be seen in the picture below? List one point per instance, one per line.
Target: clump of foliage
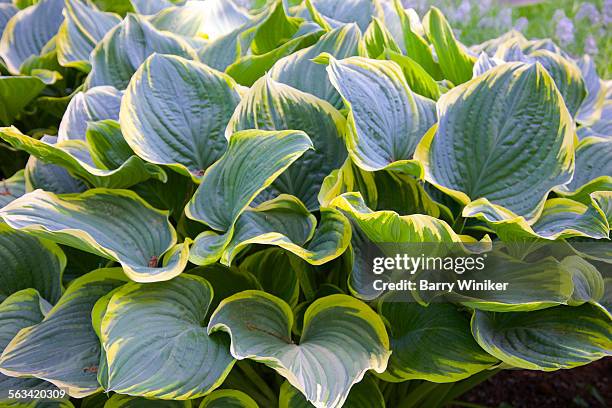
(191, 186)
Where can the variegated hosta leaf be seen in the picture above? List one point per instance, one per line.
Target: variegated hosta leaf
(12, 188)
(417, 78)
(349, 178)
(115, 224)
(96, 104)
(273, 269)
(175, 111)
(28, 31)
(377, 39)
(149, 7)
(386, 119)
(339, 12)
(547, 340)
(215, 18)
(560, 218)
(74, 156)
(342, 339)
(7, 10)
(455, 62)
(505, 136)
(64, 349)
(107, 147)
(117, 57)
(416, 47)
(591, 108)
(274, 106)
(364, 394)
(127, 401)
(139, 355)
(432, 343)
(249, 68)
(29, 262)
(532, 285)
(225, 50)
(567, 77)
(603, 199)
(593, 168)
(299, 71)
(286, 223)
(20, 310)
(372, 227)
(253, 160)
(228, 399)
(588, 283)
(50, 177)
(484, 63)
(84, 26)
(16, 92)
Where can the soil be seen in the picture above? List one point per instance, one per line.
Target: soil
(586, 386)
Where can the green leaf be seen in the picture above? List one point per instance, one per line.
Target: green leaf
(75, 157)
(431, 343)
(342, 339)
(560, 218)
(228, 399)
(127, 401)
(546, 340)
(456, 64)
(117, 57)
(28, 31)
(495, 141)
(285, 222)
(120, 7)
(299, 71)
(272, 268)
(16, 93)
(108, 148)
(593, 168)
(386, 119)
(364, 394)
(588, 282)
(96, 104)
(64, 349)
(275, 30)
(603, 199)
(249, 68)
(270, 105)
(175, 111)
(377, 39)
(84, 26)
(417, 78)
(115, 224)
(253, 160)
(226, 281)
(29, 262)
(416, 47)
(12, 188)
(20, 310)
(139, 355)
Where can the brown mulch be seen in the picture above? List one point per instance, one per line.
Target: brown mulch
(587, 386)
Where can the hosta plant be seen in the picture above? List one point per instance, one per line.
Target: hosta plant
(191, 188)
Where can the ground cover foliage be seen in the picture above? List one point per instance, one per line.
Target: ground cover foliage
(190, 186)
